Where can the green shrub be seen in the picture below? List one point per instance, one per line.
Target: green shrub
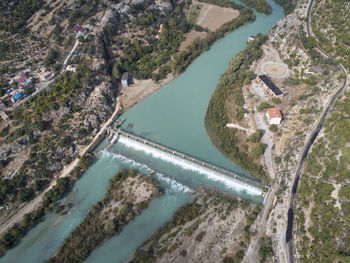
(240, 114)
(273, 127)
(256, 136)
(277, 160)
(276, 100)
(257, 151)
(264, 105)
(239, 98)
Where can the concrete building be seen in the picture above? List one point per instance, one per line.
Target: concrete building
(78, 29)
(16, 97)
(274, 116)
(71, 68)
(252, 38)
(269, 86)
(126, 79)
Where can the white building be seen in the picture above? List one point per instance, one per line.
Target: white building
(126, 79)
(274, 116)
(70, 68)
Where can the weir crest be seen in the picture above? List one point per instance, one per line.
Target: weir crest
(232, 180)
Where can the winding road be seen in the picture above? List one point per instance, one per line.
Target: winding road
(310, 141)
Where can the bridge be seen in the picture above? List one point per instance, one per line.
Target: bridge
(117, 131)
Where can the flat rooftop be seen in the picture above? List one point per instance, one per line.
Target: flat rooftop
(271, 85)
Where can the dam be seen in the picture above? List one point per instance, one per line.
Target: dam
(115, 134)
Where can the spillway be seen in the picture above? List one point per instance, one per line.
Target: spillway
(238, 186)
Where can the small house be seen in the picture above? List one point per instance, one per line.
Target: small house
(23, 80)
(16, 97)
(269, 86)
(71, 68)
(126, 79)
(274, 116)
(252, 38)
(78, 29)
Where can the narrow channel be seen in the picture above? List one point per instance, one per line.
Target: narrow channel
(173, 116)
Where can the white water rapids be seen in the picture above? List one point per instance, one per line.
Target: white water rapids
(229, 182)
(173, 184)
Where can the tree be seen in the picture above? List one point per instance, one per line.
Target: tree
(257, 151)
(51, 57)
(116, 71)
(83, 162)
(264, 105)
(81, 39)
(256, 136)
(25, 194)
(273, 127)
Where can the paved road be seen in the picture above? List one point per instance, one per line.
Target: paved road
(310, 141)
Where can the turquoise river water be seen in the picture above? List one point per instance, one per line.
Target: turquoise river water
(173, 116)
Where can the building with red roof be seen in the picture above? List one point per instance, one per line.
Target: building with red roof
(274, 116)
(78, 29)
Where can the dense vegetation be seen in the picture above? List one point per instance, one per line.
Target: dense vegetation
(266, 249)
(14, 13)
(288, 5)
(326, 237)
(259, 5)
(330, 23)
(309, 43)
(104, 219)
(142, 57)
(237, 74)
(11, 238)
(149, 55)
(30, 118)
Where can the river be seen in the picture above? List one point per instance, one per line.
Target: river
(173, 116)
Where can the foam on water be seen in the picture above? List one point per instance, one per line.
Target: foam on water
(175, 185)
(236, 185)
(126, 160)
(170, 182)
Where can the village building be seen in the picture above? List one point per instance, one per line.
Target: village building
(78, 29)
(71, 68)
(252, 38)
(269, 86)
(16, 97)
(126, 79)
(274, 116)
(22, 80)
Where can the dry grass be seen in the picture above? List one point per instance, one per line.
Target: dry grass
(212, 17)
(190, 37)
(274, 69)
